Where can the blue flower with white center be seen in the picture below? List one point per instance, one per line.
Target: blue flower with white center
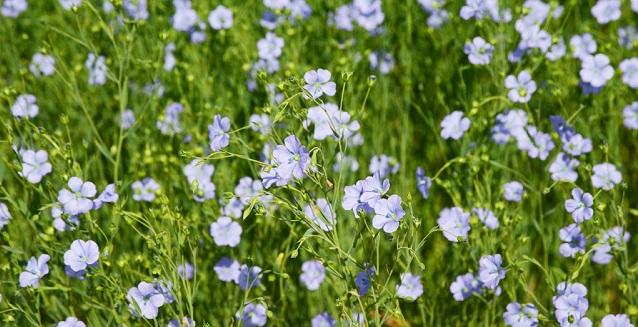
(218, 133)
(465, 286)
(220, 18)
(313, 274)
(388, 213)
(454, 125)
(35, 270)
(478, 51)
(606, 11)
(321, 214)
(563, 168)
(227, 270)
(605, 176)
(82, 254)
(410, 288)
(35, 165)
(517, 315)
(520, 87)
(490, 271)
(253, 315)
(580, 205)
(25, 106)
(629, 68)
(596, 70)
(318, 83)
(76, 199)
(455, 224)
(226, 232)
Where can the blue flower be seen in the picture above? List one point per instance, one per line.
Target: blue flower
(606, 11)
(618, 320)
(35, 270)
(487, 217)
(513, 191)
(249, 277)
(25, 106)
(612, 239)
(605, 176)
(253, 315)
(573, 241)
(227, 270)
(169, 124)
(479, 52)
(184, 322)
(145, 299)
(13, 8)
(260, 123)
(226, 232)
(410, 288)
(373, 189)
(490, 271)
(509, 124)
(383, 165)
(330, 121)
(321, 214)
(35, 165)
(323, 320)
(42, 65)
(535, 142)
(5, 215)
(218, 133)
(577, 145)
(423, 183)
(383, 61)
(313, 274)
(291, 160)
(571, 304)
(517, 315)
(145, 190)
(367, 13)
(186, 271)
(109, 195)
(478, 9)
(630, 115)
(629, 68)
(388, 214)
(77, 199)
(455, 224)
(352, 199)
(582, 45)
(270, 46)
(596, 70)
(82, 254)
(520, 87)
(221, 18)
(580, 205)
(363, 279)
(562, 127)
(454, 125)
(97, 69)
(137, 10)
(557, 50)
(318, 83)
(69, 4)
(71, 322)
(465, 286)
(199, 177)
(563, 168)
